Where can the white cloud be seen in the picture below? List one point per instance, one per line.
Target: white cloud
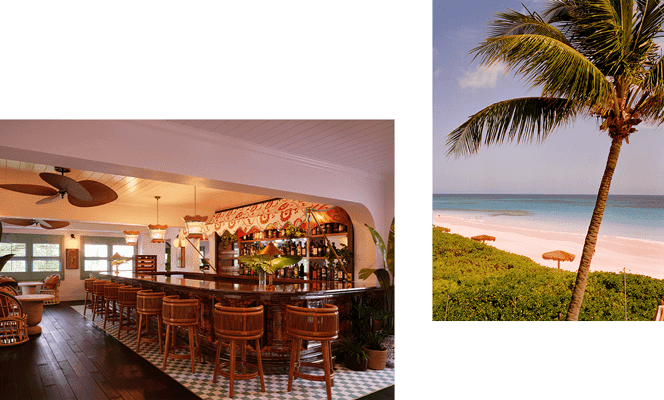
(483, 76)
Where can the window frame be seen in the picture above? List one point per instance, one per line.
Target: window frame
(108, 241)
(30, 240)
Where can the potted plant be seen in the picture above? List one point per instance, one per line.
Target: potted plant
(294, 232)
(227, 238)
(354, 355)
(376, 352)
(385, 278)
(344, 254)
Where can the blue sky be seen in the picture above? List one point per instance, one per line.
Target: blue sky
(570, 161)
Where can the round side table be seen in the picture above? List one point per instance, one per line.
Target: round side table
(29, 287)
(33, 305)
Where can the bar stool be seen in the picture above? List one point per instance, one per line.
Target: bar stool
(89, 293)
(238, 324)
(320, 324)
(179, 312)
(111, 302)
(127, 299)
(98, 296)
(149, 304)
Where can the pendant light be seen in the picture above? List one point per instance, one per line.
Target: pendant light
(157, 232)
(195, 224)
(131, 237)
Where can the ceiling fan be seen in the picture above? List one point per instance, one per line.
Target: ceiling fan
(81, 194)
(46, 224)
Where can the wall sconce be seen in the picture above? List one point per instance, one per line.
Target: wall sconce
(72, 242)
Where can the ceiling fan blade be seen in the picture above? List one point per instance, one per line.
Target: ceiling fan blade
(101, 194)
(30, 189)
(51, 199)
(18, 221)
(53, 224)
(67, 184)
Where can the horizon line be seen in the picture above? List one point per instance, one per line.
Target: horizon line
(545, 194)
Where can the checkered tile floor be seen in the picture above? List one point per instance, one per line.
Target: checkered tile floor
(347, 384)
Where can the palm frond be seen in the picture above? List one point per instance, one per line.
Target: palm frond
(652, 109)
(557, 68)
(654, 79)
(522, 119)
(516, 23)
(648, 27)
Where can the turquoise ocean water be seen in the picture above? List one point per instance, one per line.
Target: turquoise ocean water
(636, 217)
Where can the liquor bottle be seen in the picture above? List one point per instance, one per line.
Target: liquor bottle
(323, 273)
(301, 273)
(296, 271)
(314, 249)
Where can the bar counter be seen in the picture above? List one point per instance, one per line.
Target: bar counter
(245, 291)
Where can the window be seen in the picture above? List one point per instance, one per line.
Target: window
(35, 256)
(18, 263)
(97, 253)
(46, 257)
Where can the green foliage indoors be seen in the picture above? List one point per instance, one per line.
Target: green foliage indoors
(485, 283)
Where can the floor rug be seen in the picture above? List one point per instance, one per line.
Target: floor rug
(348, 384)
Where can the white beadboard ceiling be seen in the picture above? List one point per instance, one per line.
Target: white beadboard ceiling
(366, 145)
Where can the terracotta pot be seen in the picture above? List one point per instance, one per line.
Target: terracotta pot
(377, 358)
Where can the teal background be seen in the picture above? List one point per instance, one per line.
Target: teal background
(303, 59)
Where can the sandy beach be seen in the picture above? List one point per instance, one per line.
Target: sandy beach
(612, 254)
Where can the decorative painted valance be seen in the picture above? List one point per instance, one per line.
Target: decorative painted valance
(273, 214)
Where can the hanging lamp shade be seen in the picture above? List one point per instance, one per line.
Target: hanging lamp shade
(271, 250)
(157, 232)
(131, 237)
(195, 225)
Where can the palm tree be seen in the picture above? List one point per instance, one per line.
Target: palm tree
(590, 58)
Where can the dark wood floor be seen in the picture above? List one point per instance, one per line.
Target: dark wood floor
(74, 359)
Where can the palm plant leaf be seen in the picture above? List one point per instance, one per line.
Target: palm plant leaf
(560, 70)
(4, 259)
(516, 23)
(522, 119)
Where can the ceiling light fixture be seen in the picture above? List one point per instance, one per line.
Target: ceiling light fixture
(195, 224)
(131, 237)
(157, 232)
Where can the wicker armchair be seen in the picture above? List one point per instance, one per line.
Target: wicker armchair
(9, 281)
(51, 286)
(13, 321)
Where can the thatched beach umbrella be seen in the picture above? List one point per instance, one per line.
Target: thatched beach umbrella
(559, 256)
(483, 238)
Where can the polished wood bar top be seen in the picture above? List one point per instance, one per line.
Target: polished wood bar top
(237, 284)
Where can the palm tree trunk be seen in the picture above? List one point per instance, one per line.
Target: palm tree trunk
(593, 230)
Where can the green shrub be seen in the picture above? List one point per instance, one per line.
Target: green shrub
(484, 283)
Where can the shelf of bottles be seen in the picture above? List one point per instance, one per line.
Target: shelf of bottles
(318, 266)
